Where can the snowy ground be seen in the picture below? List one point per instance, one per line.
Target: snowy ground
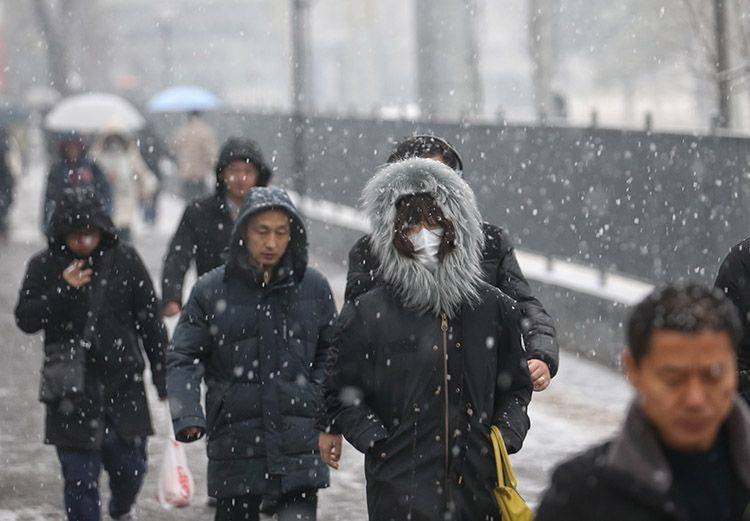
(584, 404)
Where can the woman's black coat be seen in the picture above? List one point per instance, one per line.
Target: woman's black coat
(128, 325)
(423, 424)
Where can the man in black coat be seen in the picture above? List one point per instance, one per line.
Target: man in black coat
(106, 424)
(205, 228)
(734, 280)
(257, 331)
(683, 453)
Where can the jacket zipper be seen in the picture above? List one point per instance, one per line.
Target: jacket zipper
(444, 329)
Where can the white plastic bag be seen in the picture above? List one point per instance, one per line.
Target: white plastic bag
(176, 485)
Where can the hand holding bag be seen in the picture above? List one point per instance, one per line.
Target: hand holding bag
(512, 506)
(176, 485)
(64, 369)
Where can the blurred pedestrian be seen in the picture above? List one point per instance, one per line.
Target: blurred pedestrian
(130, 179)
(206, 226)
(734, 280)
(194, 145)
(426, 362)
(7, 184)
(256, 331)
(683, 452)
(159, 160)
(74, 170)
(92, 296)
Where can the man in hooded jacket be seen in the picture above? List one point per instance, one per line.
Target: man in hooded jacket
(257, 331)
(203, 233)
(107, 424)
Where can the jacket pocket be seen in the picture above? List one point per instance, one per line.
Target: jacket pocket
(215, 400)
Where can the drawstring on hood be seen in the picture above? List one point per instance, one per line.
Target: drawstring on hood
(457, 277)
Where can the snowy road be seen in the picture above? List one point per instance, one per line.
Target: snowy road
(584, 404)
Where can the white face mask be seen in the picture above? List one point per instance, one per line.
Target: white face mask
(426, 244)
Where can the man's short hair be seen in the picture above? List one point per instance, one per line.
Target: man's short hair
(685, 308)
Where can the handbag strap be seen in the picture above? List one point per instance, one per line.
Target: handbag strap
(505, 475)
(97, 298)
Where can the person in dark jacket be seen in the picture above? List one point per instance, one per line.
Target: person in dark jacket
(425, 363)
(205, 228)
(7, 183)
(74, 171)
(499, 266)
(109, 422)
(257, 331)
(683, 453)
(734, 280)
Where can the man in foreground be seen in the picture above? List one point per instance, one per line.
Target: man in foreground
(684, 450)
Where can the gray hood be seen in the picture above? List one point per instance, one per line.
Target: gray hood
(457, 279)
(258, 199)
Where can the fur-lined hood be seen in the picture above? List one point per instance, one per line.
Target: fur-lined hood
(459, 275)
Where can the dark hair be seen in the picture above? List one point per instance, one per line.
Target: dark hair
(686, 308)
(426, 146)
(417, 209)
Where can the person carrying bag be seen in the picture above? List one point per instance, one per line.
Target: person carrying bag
(64, 368)
(93, 298)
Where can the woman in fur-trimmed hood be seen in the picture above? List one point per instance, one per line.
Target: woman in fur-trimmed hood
(426, 363)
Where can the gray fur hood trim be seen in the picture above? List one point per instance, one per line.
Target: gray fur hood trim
(457, 279)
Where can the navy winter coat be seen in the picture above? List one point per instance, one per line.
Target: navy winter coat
(261, 351)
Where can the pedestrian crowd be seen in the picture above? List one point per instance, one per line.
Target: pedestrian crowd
(439, 343)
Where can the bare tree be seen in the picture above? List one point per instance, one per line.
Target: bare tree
(47, 19)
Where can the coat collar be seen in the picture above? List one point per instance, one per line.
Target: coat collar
(636, 450)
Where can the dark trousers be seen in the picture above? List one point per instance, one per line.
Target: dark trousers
(294, 506)
(124, 462)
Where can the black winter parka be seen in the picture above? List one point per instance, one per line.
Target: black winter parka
(261, 351)
(734, 280)
(203, 236)
(421, 422)
(129, 325)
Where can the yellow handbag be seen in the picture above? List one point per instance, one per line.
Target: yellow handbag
(512, 505)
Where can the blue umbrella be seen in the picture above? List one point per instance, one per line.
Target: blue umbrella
(183, 98)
